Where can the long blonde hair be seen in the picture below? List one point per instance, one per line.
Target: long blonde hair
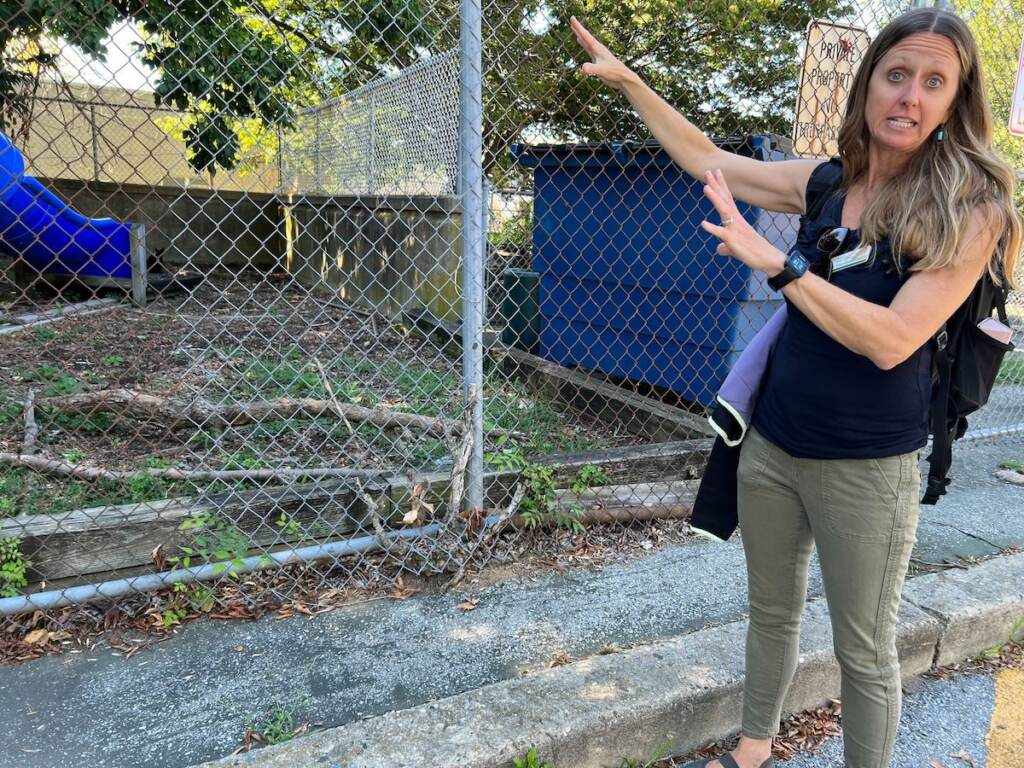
(926, 209)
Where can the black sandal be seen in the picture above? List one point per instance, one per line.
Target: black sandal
(727, 761)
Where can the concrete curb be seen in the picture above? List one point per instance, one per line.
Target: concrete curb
(686, 691)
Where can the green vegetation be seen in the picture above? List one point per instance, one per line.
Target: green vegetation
(538, 502)
(516, 232)
(1015, 637)
(44, 334)
(57, 381)
(185, 598)
(10, 410)
(276, 726)
(242, 459)
(530, 761)
(396, 386)
(242, 71)
(288, 526)
(13, 566)
(659, 753)
(212, 540)
(73, 456)
(23, 491)
(588, 477)
(391, 385)
(1012, 370)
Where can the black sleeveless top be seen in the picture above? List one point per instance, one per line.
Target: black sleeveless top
(820, 400)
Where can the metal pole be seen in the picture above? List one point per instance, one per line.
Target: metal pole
(317, 162)
(149, 582)
(485, 217)
(471, 173)
(373, 128)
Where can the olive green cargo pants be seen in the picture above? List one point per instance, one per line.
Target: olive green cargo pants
(861, 514)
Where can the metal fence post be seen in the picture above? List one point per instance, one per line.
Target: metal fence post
(485, 218)
(369, 155)
(317, 158)
(471, 172)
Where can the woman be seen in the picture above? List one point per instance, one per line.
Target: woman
(831, 458)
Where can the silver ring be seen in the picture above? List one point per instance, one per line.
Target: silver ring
(727, 221)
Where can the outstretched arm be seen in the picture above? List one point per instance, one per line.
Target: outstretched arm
(775, 186)
(885, 335)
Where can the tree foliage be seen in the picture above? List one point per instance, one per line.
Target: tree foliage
(996, 27)
(222, 63)
(730, 66)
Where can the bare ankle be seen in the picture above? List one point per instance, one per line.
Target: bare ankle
(757, 748)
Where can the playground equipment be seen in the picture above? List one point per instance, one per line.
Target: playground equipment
(54, 240)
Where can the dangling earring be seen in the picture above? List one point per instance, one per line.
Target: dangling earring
(940, 135)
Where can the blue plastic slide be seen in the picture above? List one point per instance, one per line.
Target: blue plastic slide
(49, 235)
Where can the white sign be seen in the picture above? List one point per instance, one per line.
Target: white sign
(832, 54)
(1017, 103)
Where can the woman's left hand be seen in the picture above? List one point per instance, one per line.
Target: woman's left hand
(738, 238)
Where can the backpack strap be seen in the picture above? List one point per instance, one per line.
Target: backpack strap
(947, 424)
(824, 181)
(944, 418)
(1000, 294)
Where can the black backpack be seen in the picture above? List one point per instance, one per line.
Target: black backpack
(965, 359)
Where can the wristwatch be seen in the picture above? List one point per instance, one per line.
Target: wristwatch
(796, 265)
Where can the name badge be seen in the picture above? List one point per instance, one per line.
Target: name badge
(854, 258)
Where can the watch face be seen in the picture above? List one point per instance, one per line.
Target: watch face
(799, 262)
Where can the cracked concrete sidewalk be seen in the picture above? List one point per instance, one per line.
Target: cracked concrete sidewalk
(684, 691)
(188, 700)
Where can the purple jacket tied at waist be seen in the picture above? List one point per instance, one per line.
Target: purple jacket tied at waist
(738, 394)
(714, 509)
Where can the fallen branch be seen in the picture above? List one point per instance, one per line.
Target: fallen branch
(28, 444)
(334, 400)
(631, 514)
(460, 456)
(1010, 476)
(49, 466)
(672, 500)
(488, 534)
(179, 415)
(91, 307)
(374, 511)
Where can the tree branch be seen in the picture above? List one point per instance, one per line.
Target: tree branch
(50, 466)
(28, 444)
(126, 402)
(284, 26)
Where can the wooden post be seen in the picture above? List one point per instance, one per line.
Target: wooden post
(137, 234)
(95, 143)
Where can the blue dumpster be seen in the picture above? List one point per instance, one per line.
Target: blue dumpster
(630, 284)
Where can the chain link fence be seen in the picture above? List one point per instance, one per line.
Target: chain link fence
(260, 318)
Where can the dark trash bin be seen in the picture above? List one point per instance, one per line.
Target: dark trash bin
(630, 283)
(520, 311)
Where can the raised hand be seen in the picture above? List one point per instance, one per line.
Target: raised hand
(603, 63)
(737, 237)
